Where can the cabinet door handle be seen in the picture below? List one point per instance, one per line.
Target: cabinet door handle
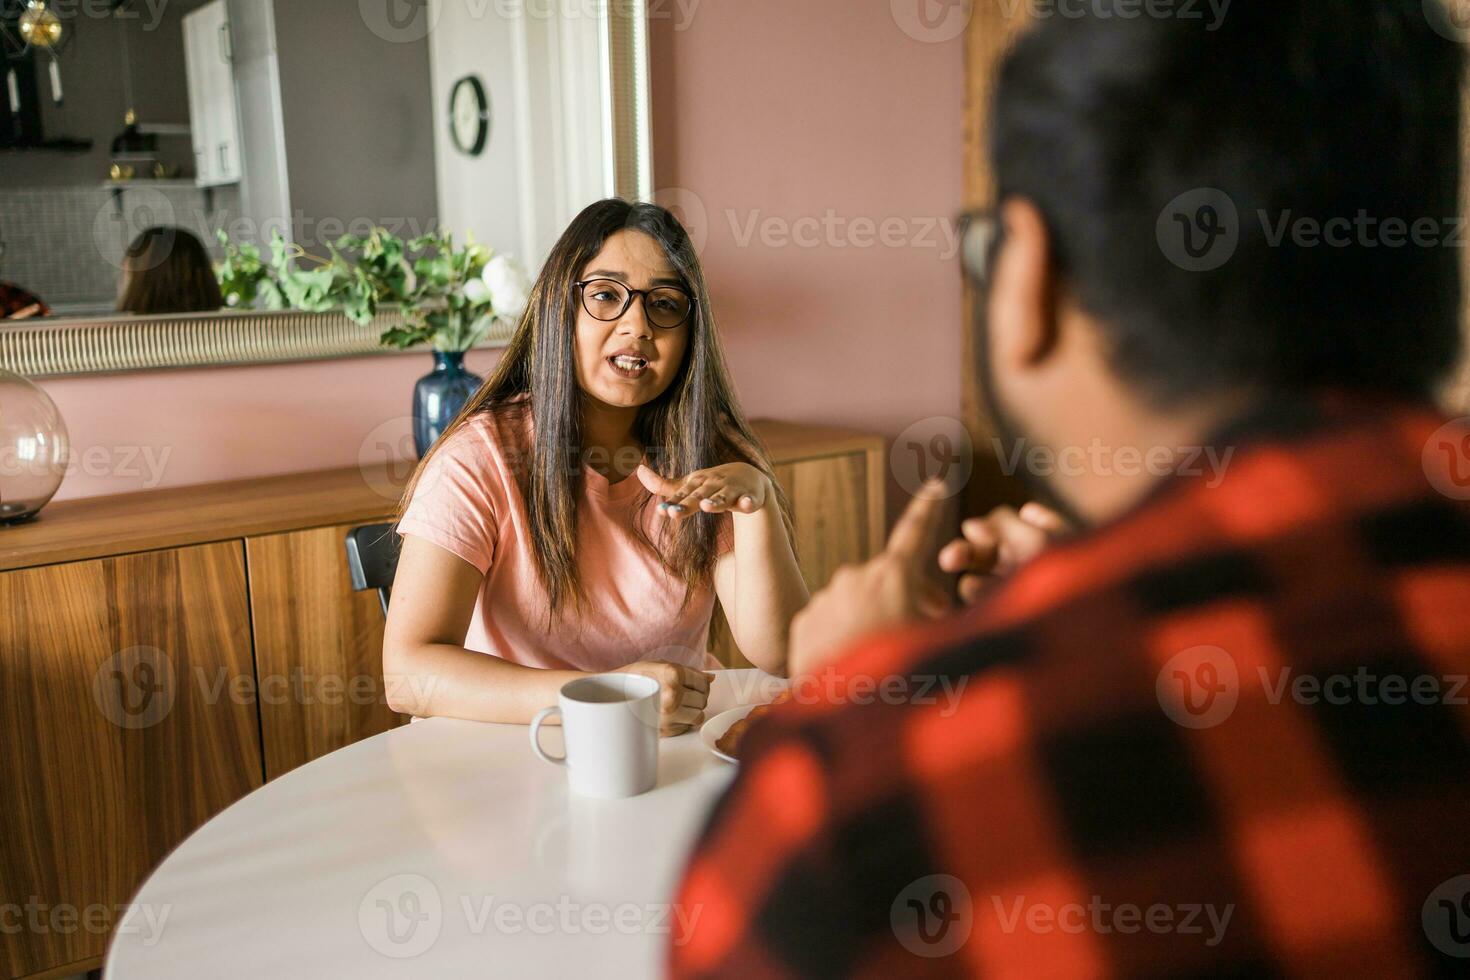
(226, 47)
(223, 149)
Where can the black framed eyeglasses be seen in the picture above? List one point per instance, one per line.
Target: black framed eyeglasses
(980, 238)
(666, 307)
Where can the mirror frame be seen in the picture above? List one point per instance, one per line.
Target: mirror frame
(226, 338)
(81, 346)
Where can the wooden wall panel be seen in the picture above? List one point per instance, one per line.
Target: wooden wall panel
(1457, 397)
(119, 731)
(994, 25)
(829, 501)
(318, 646)
(833, 504)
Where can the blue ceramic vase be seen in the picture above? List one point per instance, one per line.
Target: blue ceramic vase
(438, 397)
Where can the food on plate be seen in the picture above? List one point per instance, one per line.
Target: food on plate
(729, 743)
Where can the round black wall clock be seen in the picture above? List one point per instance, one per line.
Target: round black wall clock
(469, 115)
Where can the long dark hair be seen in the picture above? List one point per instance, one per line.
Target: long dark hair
(167, 270)
(695, 424)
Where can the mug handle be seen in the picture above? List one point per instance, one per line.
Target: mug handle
(542, 715)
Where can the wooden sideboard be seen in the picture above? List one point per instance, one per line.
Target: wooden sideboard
(164, 653)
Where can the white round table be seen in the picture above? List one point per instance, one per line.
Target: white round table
(441, 848)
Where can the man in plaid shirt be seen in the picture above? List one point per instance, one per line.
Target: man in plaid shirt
(1222, 729)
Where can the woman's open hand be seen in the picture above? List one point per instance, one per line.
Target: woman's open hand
(683, 693)
(734, 487)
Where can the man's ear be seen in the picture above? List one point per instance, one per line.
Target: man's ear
(1022, 310)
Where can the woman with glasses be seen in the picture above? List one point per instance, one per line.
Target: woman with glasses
(593, 498)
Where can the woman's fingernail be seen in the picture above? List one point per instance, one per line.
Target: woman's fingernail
(677, 508)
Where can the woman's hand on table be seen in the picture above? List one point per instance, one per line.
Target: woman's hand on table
(737, 488)
(683, 693)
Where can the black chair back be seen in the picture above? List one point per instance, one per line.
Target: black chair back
(372, 558)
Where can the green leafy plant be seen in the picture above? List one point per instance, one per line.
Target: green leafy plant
(450, 297)
(449, 312)
(243, 275)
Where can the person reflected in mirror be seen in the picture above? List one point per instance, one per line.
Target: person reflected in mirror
(20, 304)
(168, 270)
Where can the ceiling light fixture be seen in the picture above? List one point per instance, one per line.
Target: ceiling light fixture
(32, 26)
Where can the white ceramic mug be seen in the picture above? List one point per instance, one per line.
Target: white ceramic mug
(609, 723)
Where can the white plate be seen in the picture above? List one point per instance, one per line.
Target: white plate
(716, 727)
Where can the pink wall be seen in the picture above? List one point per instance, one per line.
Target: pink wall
(822, 145)
(771, 112)
(174, 428)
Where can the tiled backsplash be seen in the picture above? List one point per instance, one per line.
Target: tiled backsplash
(65, 244)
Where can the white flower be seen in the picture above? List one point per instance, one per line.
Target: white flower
(477, 292)
(509, 288)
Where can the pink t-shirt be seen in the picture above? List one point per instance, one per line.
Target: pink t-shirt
(468, 502)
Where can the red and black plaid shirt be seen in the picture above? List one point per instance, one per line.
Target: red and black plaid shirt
(1225, 735)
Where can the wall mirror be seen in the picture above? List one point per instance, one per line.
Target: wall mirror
(304, 118)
